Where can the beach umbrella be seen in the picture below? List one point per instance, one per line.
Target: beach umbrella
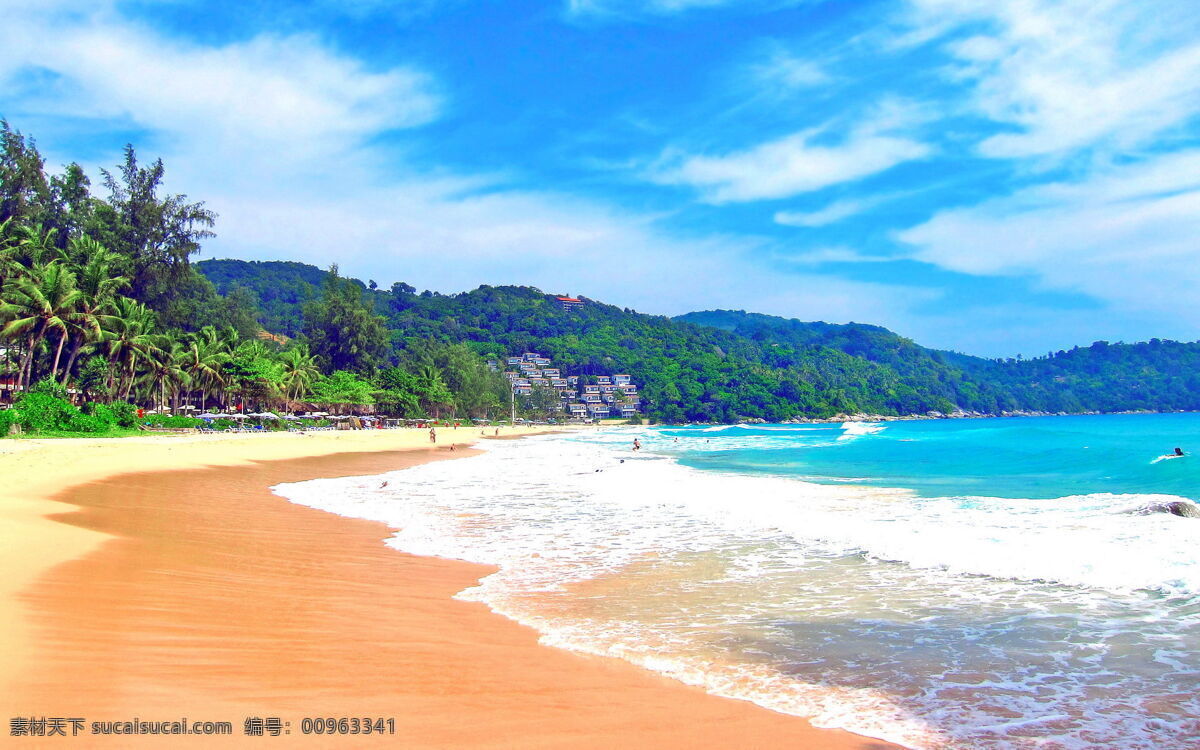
(209, 415)
(186, 407)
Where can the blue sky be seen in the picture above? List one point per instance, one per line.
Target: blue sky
(1007, 177)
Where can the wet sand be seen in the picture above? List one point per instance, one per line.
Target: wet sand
(197, 593)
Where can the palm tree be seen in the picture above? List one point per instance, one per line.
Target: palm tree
(131, 340)
(42, 301)
(299, 371)
(99, 287)
(37, 247)
(164, 369)
(205, 354)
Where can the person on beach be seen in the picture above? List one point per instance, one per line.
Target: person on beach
(433, 434)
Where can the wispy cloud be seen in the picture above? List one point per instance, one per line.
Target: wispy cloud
(633, 8)
(824, 255)
(788, 71)
(830, 214)
(283, 91)
(1123, 234)
(1071, 75)
(798, 163)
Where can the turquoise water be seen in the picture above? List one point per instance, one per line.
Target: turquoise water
(974, 584)
(1028, 457)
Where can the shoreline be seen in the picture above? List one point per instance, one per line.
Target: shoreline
(191, 590)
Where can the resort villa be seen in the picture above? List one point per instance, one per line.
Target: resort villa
(605, 396)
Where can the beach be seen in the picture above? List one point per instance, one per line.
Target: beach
(158, 578)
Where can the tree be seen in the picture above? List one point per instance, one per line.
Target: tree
(240, 310)
(432, 391)
(164, 371)
(398, 392)
(98, 287)
(342, 387)
(131, 342)
(341, 330)
(40, 303)
(205, 355)
(253, 374)
(24, 191)
(541, 403)
(299, 371)
(155, 235)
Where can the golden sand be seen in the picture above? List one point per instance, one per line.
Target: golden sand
(158, 578)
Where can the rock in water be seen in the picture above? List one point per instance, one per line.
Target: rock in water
(1175, 508)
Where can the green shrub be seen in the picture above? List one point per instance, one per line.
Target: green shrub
(7, 418)
(100, 412)
(89, 423)
(50, 387)
(174, 422)
(40, 412)
(124, 414)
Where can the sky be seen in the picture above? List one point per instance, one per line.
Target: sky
(999, 178)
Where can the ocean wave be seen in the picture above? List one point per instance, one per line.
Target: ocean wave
(848, 604)
(851, 430)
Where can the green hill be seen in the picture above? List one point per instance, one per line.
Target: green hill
(728, 365)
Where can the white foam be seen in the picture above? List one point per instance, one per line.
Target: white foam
(851, 430)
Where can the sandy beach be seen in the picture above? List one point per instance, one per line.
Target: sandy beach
(159, 578)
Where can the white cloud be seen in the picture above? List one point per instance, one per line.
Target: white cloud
(794, 164)
(835, 255)
(788, 71)
(286, 93)
(1125, 234)
(632, 8)
(1074, 74)
(830, 214)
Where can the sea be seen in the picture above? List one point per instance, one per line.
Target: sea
(983, 583)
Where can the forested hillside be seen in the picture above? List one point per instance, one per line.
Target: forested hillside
(728, 365)
(1155, 375)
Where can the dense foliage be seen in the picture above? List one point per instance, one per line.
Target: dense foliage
(726, 365)
(98, 293)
